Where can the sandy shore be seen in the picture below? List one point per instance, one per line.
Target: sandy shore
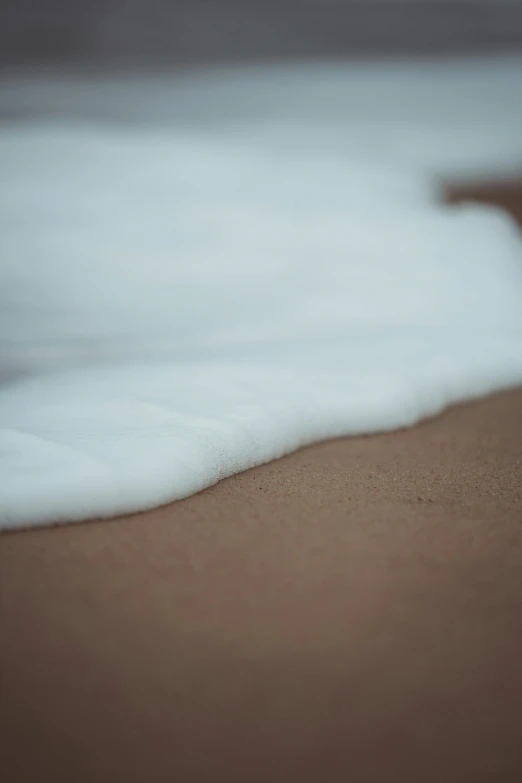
(351, 612)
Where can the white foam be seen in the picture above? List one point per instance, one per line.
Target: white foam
(187, 297)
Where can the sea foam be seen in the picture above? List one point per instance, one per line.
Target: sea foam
(200, 274)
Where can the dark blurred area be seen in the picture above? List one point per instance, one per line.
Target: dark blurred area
(113, 33)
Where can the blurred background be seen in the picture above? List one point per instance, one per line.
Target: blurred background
(114, 33)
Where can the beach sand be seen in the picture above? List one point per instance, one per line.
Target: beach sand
(350, 612)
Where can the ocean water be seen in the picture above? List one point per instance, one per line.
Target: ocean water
(201, 273)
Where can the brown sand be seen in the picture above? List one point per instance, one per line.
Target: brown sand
(352, 612)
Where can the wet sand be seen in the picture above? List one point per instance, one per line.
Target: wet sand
(350, 612)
